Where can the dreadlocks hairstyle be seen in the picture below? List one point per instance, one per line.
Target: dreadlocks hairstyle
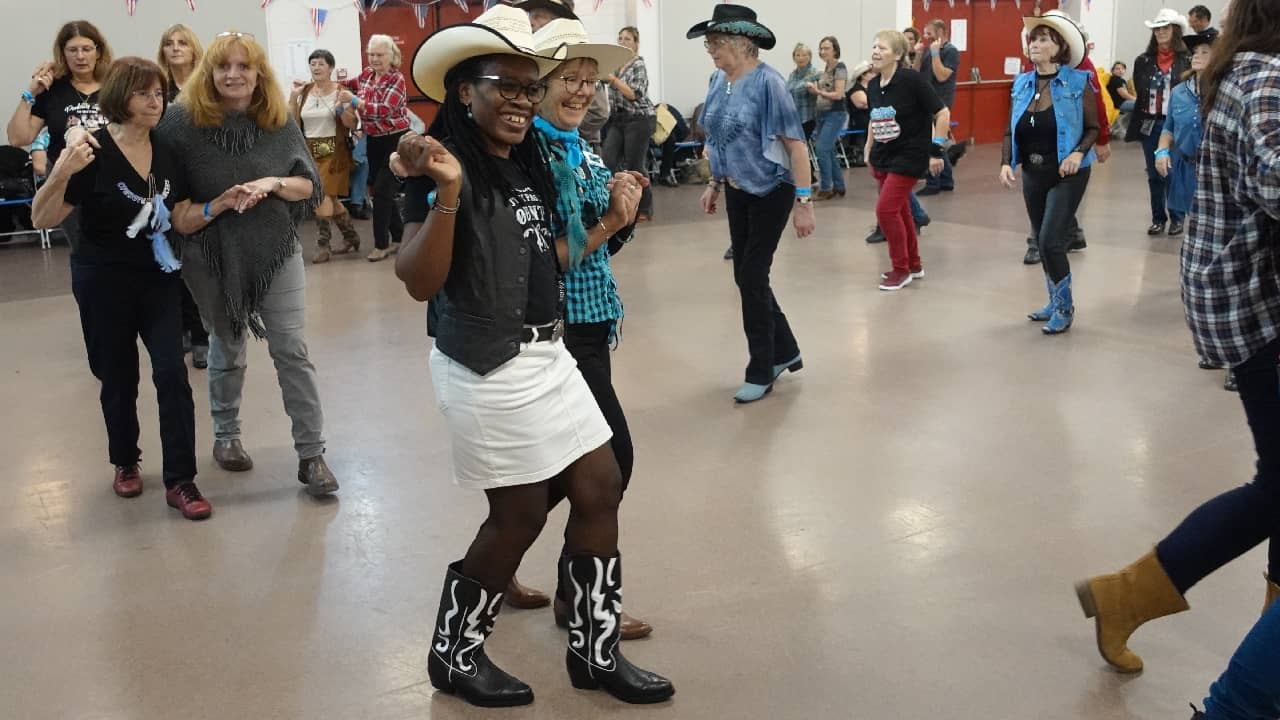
(467, 144)
(1250, 26)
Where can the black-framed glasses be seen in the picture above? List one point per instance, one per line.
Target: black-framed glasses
(510, 89)
(574, 85)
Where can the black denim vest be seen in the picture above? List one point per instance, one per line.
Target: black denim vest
(478, 317)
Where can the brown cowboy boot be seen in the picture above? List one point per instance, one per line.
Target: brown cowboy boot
(524, 598)
(350, 238)
(326, 236)
(1123, 601)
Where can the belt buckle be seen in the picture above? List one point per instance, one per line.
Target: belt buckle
(1036, 159)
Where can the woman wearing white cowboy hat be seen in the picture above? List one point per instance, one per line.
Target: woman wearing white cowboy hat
(1155, 73)
(1052, 128)
(519, 413)
(584, 214)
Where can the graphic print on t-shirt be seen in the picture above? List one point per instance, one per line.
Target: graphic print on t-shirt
(84, 114)
(532, 216)
(884, 124)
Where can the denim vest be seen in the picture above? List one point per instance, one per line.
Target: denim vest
(1068, 109)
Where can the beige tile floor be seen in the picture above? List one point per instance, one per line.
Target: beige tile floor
(893, 533)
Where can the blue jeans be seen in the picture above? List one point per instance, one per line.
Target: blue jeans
(359, 172)
(825, 136)
(917, 211)
(945, 180)
(1250, 687)
(1156, 185)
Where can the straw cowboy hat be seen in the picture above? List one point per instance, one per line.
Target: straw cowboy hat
(1168, 16)
(735, 20)
(1071, 33)
(573, 36)
(502, 30)
(555, 7)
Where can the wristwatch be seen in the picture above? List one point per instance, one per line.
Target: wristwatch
(279, 184)
(804, 200)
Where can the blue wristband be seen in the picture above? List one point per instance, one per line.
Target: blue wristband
(804, 192)
(939, 141)
(1162, 152)
(31, 99)
(207, 215)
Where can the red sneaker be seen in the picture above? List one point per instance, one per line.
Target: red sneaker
(917, 272)
(128, 482)
(187, 498)
(895, 280)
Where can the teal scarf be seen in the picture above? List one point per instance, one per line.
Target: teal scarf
(578, 191)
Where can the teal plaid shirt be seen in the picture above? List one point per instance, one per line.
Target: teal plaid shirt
(592, 292)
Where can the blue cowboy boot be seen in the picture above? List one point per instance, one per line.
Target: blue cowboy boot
(1046, 312)
(1063, 308)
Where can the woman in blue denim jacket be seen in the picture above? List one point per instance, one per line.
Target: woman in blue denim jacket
(1051, 132)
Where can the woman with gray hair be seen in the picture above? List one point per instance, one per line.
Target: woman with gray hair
(798, 86)
(757, 148)
(382, 101)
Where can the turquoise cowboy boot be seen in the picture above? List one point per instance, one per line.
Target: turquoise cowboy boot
(1063, 308)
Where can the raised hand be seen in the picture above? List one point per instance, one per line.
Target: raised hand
(42, 78)
(435, 161)
(73, 160)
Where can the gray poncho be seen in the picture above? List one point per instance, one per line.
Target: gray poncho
(243, 252)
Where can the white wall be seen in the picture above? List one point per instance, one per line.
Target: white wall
(289, 23)
(32, 25)
(685, 67)
(603, 26)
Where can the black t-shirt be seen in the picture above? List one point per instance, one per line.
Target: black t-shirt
(546, 288)
(1037, 134)
(901, 124)
(1113, 87)
(61, 107)
(111, 194)
(858, 117)
(946, 89)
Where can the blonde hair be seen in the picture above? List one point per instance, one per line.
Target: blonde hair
(897, 42)
(390, 42)
(197, 50)
(200, 96)
(801, 47)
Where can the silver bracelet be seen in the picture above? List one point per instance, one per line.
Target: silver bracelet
(445, 210)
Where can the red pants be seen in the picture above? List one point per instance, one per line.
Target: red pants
(893, 212)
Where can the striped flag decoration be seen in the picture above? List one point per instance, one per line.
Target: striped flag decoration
(191, 4)
(318, 17)
(488, 4)
(463, 4)
(360, 8)
(264, 4)
(648, 3)
(130, 5)
(375, 4)
(420, 12)
(598, 3)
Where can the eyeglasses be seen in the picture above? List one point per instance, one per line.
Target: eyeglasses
(574, 85)
(713, 43)
(149, 95)
(83, 50)
(510, 89)
(236, 34)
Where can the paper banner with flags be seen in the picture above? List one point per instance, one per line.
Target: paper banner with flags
(463, 4)
(264, 4)
(420, 12)
(191, 4)
(360, 8)
(648, 3)
(130, 6)
(926, 5)
(375, 4)
(318, 18)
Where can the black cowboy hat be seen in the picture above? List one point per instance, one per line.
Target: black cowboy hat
(555, 7)
(735, 20)
(1194, 41)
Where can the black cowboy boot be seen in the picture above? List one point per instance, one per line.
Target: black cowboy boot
(457, 663)
(593, 659)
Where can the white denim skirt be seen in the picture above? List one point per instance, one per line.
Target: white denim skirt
(523, 423)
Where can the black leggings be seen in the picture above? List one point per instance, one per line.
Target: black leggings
(1052, 202)
(1234, 522)
(388, 227)
(589, 345)
(191, 321)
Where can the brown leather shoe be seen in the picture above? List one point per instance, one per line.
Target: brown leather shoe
(632, 628)
(525, 598)
(128, 482)
(230, 455)
(186, 498)
(315, 474)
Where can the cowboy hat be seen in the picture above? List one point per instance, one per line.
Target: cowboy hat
(555, 7)
(573, 36)
(1168, 16)
(502, 30)
(1195, 41)
(860, 69)
(1071, 33)
(735, 20)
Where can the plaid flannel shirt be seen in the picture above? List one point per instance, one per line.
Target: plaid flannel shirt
(592, 292)
(384, 105)
(1231, 257)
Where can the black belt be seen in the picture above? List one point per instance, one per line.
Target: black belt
(542, 333)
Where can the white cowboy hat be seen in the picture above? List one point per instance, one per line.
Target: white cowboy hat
(1168, 16)
(502, 30)
(572, 35)
(1071, 33)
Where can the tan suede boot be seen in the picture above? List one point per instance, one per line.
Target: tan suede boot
(1273, 593)
(1123, 601)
